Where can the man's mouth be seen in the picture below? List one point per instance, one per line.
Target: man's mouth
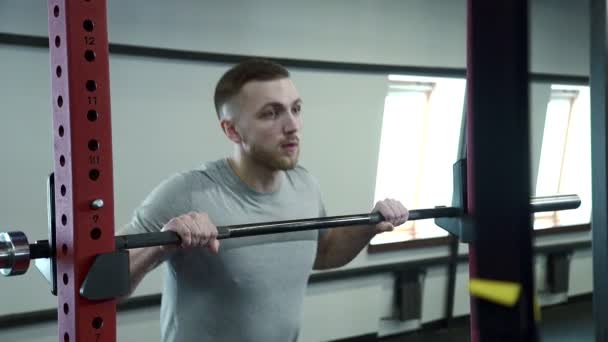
(290, 147)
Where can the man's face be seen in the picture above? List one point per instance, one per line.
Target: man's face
(269, 121)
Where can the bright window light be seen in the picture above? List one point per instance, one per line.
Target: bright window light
(419, 144)
(421, 130)
(565, 162)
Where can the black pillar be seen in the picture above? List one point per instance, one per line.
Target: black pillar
(599, 160)
(499, 166)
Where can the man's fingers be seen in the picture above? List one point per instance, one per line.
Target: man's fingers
(206, 229)
(397, 214)
(401, 213)
(195, 230)
(394, 213)
(186, 236)
(384, 227)
(386, 211)
(214, 246)
(191, 223)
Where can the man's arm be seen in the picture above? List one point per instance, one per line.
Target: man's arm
(194, 229)
(141, 262)
(338, 246)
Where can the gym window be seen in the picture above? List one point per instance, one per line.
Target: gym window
(421, 131)
(565, 159)
(418, 145)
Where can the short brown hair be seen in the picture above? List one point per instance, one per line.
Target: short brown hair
(236, 77)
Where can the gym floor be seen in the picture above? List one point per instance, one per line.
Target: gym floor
(572, 322)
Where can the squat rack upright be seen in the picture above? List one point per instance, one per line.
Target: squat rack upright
(84, 201)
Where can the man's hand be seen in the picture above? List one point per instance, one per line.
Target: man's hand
(394, 213)
(195, 230)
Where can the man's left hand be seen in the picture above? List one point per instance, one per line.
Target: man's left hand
(394, 213)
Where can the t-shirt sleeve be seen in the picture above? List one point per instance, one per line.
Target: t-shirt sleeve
(322, 211)
(171, 198)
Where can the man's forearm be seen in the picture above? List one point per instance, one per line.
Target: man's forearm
(142, 261)
(341, 245)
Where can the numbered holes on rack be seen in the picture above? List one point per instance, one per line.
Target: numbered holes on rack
(93, 145)
(94, 174)
(97, 322)
(88, 25)
(91, 85)
(95, 233)
(92, 115)
(89, 55)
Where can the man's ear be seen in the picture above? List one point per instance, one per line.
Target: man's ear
(229, 127)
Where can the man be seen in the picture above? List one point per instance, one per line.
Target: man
(250, 288)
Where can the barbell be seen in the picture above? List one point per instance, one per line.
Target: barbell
(16, 252)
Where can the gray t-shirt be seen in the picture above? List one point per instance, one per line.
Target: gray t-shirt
(254, 288)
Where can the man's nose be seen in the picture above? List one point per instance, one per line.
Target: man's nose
(292, 123)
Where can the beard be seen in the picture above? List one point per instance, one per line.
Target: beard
(274, 160)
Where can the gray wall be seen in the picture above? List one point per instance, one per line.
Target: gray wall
(163, 122)
(402, 32)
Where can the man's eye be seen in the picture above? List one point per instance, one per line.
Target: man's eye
(297, 109)
(269, 114)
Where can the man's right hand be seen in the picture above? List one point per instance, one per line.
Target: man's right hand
(195, 230)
